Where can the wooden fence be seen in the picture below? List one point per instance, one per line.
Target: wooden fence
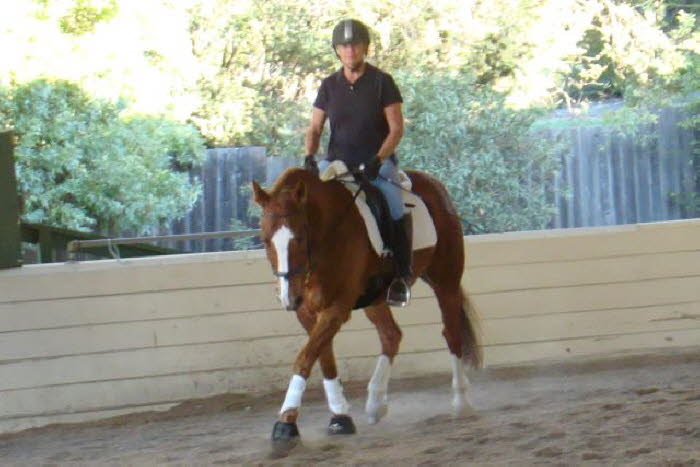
(606, 179)
(226, 177)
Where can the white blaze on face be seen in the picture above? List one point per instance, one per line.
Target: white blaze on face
(281, 240)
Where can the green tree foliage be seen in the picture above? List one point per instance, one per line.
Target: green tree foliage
(270, 55)
(84, 16)
(641, 50)
(494, 167)
(81, 165)
(261, 61)
(473, 73)
(458, 127)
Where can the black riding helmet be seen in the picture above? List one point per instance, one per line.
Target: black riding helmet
(350, 31)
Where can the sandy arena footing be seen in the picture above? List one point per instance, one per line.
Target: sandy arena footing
(641, 410)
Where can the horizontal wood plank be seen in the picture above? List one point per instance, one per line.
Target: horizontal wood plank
(37, 282)
(233, 355)
(252, 326)
(490, 279)
(76, 401)
(165, 304)
(554, 327)
(133, 275)
(234, 326)
(521, 303)
(582, 243)
(597, 345)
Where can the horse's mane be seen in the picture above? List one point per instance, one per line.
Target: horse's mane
(291, 177)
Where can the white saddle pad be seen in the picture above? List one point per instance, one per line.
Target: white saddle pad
(424, 234)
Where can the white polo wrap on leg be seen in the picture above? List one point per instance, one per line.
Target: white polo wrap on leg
(459, 374)
(336, 399)
(296, 388)
(377, 390)
(380, 378)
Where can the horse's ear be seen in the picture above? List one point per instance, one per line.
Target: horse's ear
(260, 195)
(300, 192)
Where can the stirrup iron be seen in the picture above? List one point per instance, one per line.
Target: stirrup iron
(399, 298)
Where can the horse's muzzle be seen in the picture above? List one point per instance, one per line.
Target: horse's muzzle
(294, 304)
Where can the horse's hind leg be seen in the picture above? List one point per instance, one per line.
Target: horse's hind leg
(461, 341)
(390, 337)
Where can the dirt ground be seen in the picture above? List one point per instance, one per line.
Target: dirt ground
(633, 410)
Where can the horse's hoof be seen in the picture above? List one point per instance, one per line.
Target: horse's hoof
(462, 407)
(285, 436)
(285, 432)
(376, 413)
(341, 425)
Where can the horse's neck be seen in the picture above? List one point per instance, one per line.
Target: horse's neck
(320, 209)
(333, 215)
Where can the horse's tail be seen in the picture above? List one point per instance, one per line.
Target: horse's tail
(471, 345)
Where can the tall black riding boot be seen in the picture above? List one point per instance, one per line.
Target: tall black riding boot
(399, 292)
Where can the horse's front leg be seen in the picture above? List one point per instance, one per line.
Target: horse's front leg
(341, 422)
(327, 324)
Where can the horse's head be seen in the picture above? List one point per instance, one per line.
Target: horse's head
(284, 232)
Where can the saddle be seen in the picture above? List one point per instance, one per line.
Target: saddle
(373, 208)
(379, 207)
(424, 233)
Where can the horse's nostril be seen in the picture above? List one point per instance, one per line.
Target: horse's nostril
(294, 304)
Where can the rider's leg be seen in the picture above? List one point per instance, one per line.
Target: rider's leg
(323, 165)
(388, 182)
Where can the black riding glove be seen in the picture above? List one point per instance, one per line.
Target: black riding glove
(310, 164)
(372, 168)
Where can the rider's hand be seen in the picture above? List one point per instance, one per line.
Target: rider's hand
(310, 164)
(372, 168)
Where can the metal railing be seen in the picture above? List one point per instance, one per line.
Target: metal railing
(112, 244)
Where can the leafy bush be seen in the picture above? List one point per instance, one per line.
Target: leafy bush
(84, 16)
(83, 166)
(493, 165)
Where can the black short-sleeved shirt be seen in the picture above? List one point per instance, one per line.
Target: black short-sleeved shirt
(356, 113)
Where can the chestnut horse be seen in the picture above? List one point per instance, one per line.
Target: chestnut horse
(318, 247)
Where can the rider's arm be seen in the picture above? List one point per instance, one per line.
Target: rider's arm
(394, 118)
(313, 133)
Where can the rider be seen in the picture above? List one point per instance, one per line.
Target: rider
(363, 105)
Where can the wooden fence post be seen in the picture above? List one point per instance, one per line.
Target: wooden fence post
(10, 247)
